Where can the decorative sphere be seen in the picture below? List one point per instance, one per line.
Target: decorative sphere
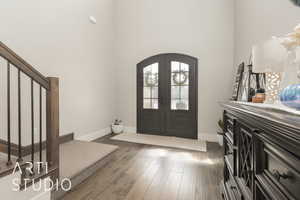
(290, 96)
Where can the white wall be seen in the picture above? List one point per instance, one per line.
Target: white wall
(259, 20)
(200, 28)
(57, 38)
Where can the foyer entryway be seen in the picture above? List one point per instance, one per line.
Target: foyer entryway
(167, 95)
(139, 171)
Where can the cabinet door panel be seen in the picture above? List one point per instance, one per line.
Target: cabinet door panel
(283, 169)
(245, 156)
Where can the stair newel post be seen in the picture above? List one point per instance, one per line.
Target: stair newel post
(52, 102)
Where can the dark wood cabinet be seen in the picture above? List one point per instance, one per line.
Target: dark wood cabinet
(261, 153)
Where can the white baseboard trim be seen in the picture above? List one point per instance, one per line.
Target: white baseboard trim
(94, 135)
(129, 129)
(208, 137)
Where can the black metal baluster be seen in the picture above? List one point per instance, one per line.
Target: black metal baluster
(32, 123)
(41, 126)
(19, 118)
(8, 116)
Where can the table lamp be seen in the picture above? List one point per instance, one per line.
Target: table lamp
(269, 58)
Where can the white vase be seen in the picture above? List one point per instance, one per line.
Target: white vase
(117, 128)
(220, 140)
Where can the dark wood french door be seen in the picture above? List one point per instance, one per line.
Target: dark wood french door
(167, 96)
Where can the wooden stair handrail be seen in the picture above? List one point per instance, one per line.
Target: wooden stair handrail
(21, 64)
(52, 117)
(51, 85)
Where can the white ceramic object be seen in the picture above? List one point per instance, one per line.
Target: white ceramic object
(117, 128)
(93, 20)
(220, 140)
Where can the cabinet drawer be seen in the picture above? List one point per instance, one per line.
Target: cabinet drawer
(230, 125)
(230, 122)
(232, 189)
(283, 169)
(230, 156)
(266, 189)
(260, 193)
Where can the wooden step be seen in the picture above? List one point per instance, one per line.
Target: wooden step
(37, 177)
(79, 178)
(69, 158)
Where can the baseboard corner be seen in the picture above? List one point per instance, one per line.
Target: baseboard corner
(130, 129)
(208, 137)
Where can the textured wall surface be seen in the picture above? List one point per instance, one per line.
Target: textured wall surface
(57, 38)
(203, 29)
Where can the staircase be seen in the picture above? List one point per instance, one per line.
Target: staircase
(30, 113)
(29, 132)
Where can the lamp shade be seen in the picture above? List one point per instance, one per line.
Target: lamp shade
(268, 57)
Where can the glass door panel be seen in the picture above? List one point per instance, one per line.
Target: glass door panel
(150, 89)
(179, 86)
(167, 95)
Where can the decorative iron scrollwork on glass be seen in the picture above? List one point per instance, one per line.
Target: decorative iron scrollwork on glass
(179, 86)
(151, 79)
(180, 77)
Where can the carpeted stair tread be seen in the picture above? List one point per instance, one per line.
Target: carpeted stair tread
(75, 156)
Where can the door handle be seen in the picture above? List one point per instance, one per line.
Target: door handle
(279, 175)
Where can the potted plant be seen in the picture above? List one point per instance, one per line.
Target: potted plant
(220, 132)
(117, 126)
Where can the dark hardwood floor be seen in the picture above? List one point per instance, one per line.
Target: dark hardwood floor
(144, 172)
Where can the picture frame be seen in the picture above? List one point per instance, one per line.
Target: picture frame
(238, 82)
(250, 83)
